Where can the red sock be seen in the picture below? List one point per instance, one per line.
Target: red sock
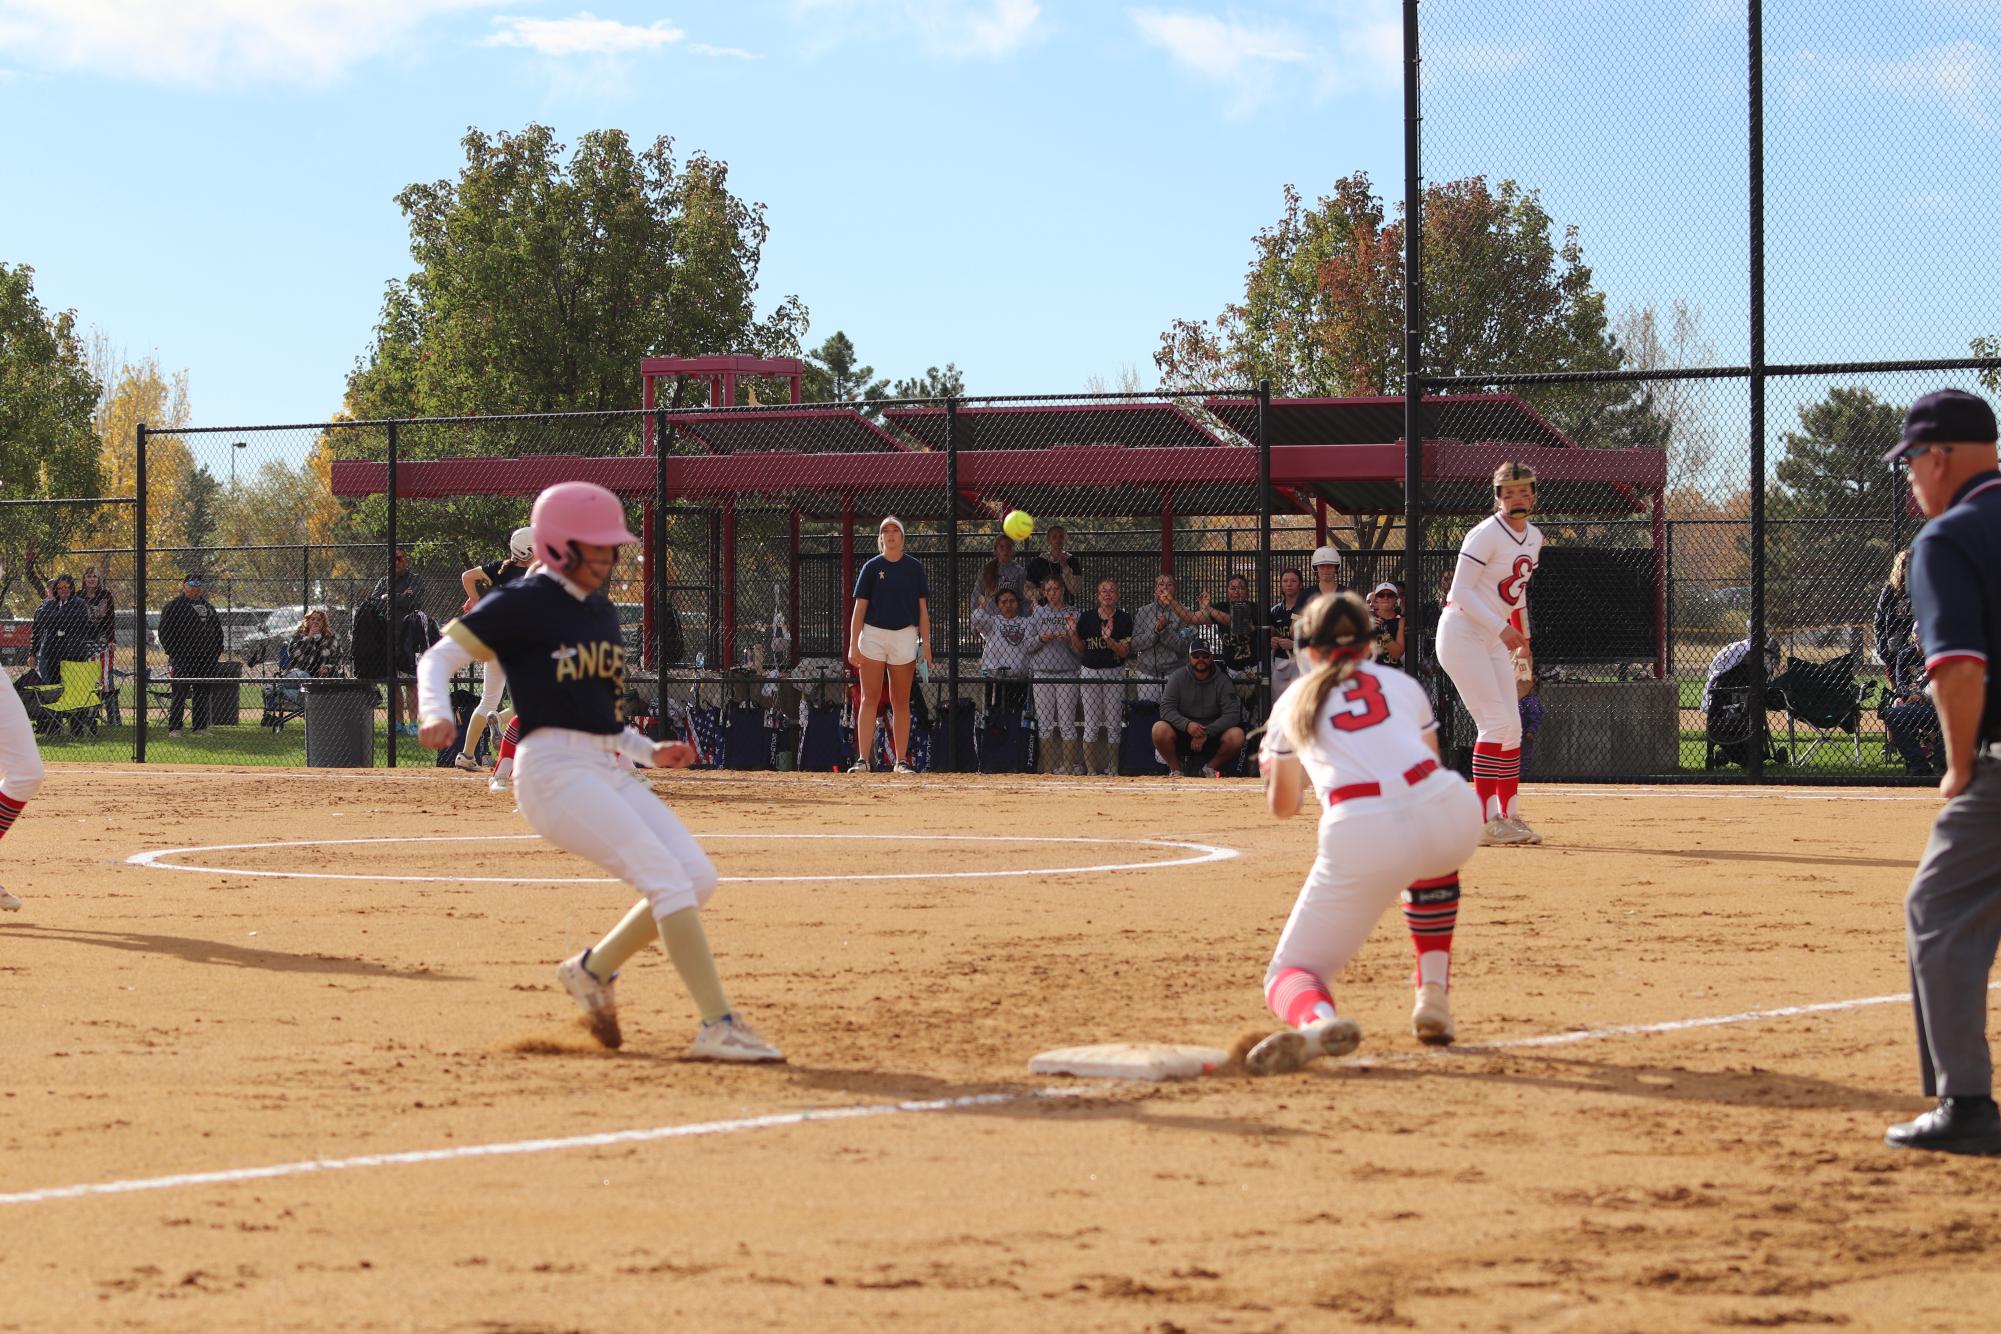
(1298, 997)
(1508, 780)
(510, 738)
(9, 810)
(1487, 765)
(1431, 910)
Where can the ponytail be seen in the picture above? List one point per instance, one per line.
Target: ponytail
(1336, 626)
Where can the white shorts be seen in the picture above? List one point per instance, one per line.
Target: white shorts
(895, 647)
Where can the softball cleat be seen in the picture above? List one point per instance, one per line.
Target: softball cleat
(1290, 1049)
(1499, 833)
(731, 1039)
(1431, 1019)
(8, 903)
(1521, 826)
(466, 762)
(499, 784)
(597, 1000)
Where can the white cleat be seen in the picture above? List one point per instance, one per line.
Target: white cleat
(499, 784)
(597, 1000)
(466, 762)
(1521, 826)
(1288, 1050)
(1431, 1020)
(8, 903)
(902, 768)
(1500, 833)
(731, 1039)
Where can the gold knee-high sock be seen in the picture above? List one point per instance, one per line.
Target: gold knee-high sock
(633, 933)
(475, 729)
(688, 946)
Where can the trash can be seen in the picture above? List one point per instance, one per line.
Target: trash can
(340, 724)
(225, 698)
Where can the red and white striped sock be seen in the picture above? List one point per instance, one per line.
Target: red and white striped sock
(510, 737)
(1487, 767)
(1508, 781)
(1298, 997)
(10, 810)
(1431, 911)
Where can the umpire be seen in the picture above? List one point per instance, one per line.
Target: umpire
(1953, 911)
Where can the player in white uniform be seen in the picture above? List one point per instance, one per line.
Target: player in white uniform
(20, 767)
(1485, 621)
(493, 678)
(1393, 822)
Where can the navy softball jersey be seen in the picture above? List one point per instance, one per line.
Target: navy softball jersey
(893, 588)
(500, 573)
(564, 656)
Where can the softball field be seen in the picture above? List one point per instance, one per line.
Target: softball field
(284, 1051)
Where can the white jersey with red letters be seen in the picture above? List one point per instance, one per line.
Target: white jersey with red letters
(1369, 734)
(1495, 566)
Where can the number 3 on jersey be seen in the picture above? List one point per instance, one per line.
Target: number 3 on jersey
(1359, 704)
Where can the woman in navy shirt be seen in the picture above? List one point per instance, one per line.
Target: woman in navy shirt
(891, 625)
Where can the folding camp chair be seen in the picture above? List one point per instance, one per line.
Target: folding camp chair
(1826, 697)
(76, 701)
(284, 698)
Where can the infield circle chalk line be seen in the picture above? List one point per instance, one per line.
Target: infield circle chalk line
(1202, 853)
(777, 1120)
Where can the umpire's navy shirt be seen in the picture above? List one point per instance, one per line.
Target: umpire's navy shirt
(1955, 582)
(893, 589)
(564, 656)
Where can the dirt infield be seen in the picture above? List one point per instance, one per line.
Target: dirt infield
(159, 1023)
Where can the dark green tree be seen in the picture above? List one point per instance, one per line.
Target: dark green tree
(834, 373)
(934, 383)
(1836, 511)
(47, 446)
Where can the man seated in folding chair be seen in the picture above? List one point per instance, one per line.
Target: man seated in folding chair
(1828, 699)
(1726, 706)
(1910, 719)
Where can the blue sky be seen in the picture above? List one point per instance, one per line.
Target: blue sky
(1030, 188)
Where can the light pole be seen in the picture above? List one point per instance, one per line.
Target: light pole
(234, 446)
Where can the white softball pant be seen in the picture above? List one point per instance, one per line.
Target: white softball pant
(1103, 690)
(577, 792)
(1483, 673)
(1376, 849)
(21, 767)
(493, 681)
(1056, 709)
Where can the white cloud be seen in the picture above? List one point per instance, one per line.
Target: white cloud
(723, 52)
(1257, 62)
(1962, 78)
(952, 29)
(584, 34)
(207, 43)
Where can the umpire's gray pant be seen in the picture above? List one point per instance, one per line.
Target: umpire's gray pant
(1952, 922)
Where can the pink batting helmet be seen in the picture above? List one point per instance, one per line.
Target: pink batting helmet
(571, 512)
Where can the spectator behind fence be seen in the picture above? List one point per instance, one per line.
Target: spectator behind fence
(314, 651)
(1103, 639)
(409, 590)
(1004, 644)
(1003, 571)
(1201, 717)
(1894, 622)
(97, 600)
(1386, 610)
(1237, 619)
(1056, 561)
(191, 637)
(1909, 715)
(62, 632)
(1054, 661)
(1160, 637)
(1292, 599)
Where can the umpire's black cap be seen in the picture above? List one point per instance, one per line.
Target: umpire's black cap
(1945, 416)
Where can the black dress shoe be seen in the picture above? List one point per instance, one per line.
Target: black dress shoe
(1956, 1125)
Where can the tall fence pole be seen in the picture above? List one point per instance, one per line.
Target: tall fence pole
(1413, 321)
(951, 617)
(139, 697)
(657, 558)
(395, 629)
(1756, 630)
(1264, 518)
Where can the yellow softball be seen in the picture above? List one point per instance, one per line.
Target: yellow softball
(1018, 525)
